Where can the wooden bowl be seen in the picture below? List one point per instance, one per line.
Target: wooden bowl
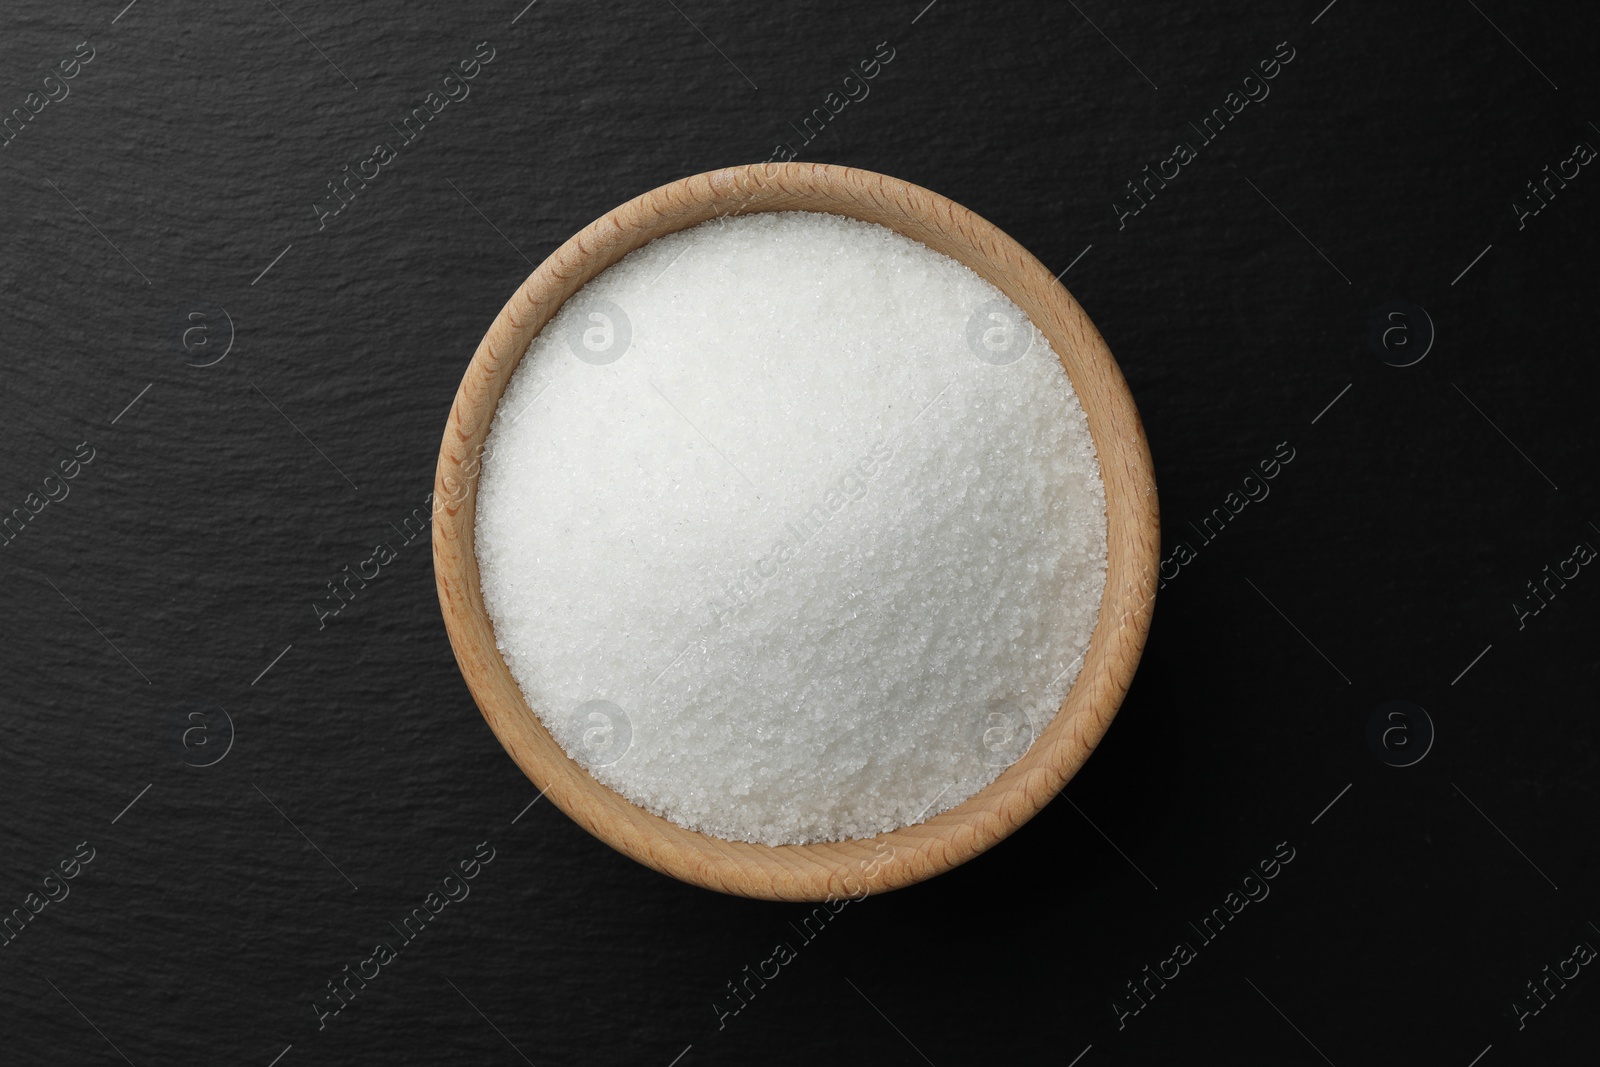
(841, 868)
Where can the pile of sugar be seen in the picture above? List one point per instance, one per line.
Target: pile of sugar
(791, 529)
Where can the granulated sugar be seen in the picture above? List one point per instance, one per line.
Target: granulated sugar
(791, 529)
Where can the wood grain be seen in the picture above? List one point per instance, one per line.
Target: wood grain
(842, 868)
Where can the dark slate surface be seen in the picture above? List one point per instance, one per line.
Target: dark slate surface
(184, 160)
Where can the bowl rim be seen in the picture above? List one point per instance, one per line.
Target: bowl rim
(833, 870)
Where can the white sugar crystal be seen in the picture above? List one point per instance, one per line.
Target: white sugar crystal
(779, 537)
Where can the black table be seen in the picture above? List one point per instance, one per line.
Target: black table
(219, 392)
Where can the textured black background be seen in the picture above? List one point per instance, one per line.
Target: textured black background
(188, 554)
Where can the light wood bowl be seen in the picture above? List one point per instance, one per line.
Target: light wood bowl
(841, 868)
